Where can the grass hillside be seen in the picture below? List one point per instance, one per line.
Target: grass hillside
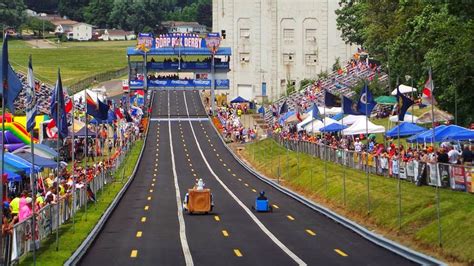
(419, 218)
(77, 60)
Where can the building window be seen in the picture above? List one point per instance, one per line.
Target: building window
(244, 57)
(311, 35)
(244, 33)
(288, 58)
(310, 59)
(288, 35)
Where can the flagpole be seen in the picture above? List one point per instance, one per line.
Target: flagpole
(343, 157)
(438, 210)
(367, 150)
(32, 173)
(5, 84)
(86, 149)
(399, 185)
(58, 125)
(325, 154)
(73, 158)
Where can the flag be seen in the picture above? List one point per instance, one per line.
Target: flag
(11, 84)
(366, 101)
(315, 112)
(349, 107)
(298, 114)
(119, 113)
(31, 101)
(403, 104)
(99, 110)
(331, 100)
(58, 99)
(427, 93)
(283, 108)
(68, 104)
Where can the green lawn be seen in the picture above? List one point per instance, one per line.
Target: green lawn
(70, 239)
(77, 60)
(419, 223)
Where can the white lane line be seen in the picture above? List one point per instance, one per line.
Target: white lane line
(247, 210)
(182, 227)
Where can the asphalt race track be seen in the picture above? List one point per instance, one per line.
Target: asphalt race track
(148, 227)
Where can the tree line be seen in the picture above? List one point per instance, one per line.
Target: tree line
(409, 37)
(131, 15)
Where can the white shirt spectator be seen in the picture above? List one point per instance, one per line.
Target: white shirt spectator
(358, 146)
(453, 156)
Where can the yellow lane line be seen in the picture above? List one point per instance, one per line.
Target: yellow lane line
(237, 253)
(139, 234)
(217, 154)
(134, 253)
(228, 170)
(224, 164)
(291, 218)
(340, 252)
(190, 165)
(154, 175)
(233, 175)
(246, 184)
(225, 233)
(143, 219)
(156, 169)
(147, 207)
(275, 206)
(217, 218)
(194, 175)
(152, 184)
(240, 179)
(151, 190)
(154, 179)
(310, 232)
(149, 198)
(253, 190)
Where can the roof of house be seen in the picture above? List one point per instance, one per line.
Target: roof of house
(180, 23)
(63, 22)
(116, 32)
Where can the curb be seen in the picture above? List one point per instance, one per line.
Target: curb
(375, 238)
(82, 249)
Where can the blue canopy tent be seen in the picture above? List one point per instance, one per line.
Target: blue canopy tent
(334, 127)
(40, 161)
(17, 159)
(239, 100)
(13, 161)
(285, 116)
(424, 136)
(406, 129)
(12, 176)
(461, 136)
(338, 116)
(451, 131)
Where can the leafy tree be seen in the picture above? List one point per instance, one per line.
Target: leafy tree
(47, 6)
(337, 64)
(119, 15)
(97, 12)
(412, 36)
(12, 13)
(73, 9)
(37, 26)
(204, 13)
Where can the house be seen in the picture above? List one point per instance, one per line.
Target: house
(81, 32)
(63, 26)
(183, 27)
(118, 35)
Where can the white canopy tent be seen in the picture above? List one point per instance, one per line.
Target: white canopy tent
(330, 111)
(359, 127)
(305, 121)
(316, 125)
(404, 89)
(407, 118)
(351, 119)
(94, 93)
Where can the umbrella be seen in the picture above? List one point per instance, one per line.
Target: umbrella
(334, 127)
(386, 100)
(439, 116)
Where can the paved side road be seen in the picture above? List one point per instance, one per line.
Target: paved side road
(148, 227)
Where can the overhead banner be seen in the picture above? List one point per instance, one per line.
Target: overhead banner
(221, 84)
(176, 40)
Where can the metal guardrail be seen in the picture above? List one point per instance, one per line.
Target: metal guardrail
(377, 239)
(82, 249)
(20, 242)
(454, 176)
